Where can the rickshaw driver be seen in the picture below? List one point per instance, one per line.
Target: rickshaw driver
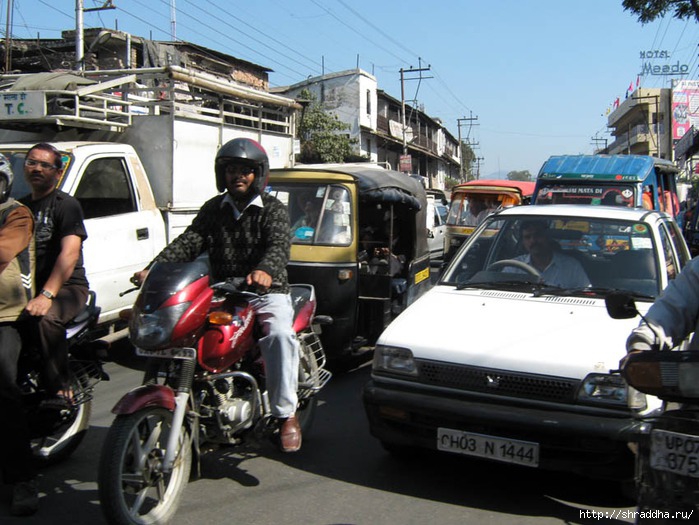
(246, 232)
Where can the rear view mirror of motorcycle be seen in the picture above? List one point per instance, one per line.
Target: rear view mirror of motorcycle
(620, 306)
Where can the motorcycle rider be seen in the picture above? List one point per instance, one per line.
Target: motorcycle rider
(673, 316)
(16, 290)
(245, 232)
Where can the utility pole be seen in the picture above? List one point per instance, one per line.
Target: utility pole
(79, 29)
(8, 37)
(478, 167)
(418, 70)
(596, 142)
(459, 121)
(173, 21)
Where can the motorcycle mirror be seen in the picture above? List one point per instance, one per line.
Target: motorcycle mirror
(620, 306)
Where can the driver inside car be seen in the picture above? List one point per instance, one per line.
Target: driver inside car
(556, 268)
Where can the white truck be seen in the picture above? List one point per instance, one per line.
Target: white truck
(138, 148)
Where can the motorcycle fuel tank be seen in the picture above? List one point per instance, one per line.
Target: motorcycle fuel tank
(223, 345)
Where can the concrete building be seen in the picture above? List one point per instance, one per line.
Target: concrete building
(375, 121)
(642, 124)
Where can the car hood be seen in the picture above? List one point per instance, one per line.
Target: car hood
(550, 335)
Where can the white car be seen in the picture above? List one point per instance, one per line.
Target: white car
(495, 362)
(436, 217)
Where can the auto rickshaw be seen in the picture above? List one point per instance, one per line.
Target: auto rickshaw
(358, 235)
(472, 201)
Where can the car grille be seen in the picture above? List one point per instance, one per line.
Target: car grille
(498, 382)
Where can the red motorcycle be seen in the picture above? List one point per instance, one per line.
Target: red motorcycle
(204, 383)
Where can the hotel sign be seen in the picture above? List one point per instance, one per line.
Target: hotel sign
(648, 68)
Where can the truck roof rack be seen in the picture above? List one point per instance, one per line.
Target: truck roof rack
(110, 100)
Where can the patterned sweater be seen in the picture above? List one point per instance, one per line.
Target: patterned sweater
(257, 240)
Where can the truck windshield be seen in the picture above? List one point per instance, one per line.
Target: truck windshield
(586, 193)
(319, 214)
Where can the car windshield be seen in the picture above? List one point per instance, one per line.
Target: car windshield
(319, 214)
(559, 255)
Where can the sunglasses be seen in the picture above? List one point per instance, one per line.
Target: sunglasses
(235, 167)
(43, 165)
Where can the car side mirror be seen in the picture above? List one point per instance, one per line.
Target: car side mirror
(620, 306)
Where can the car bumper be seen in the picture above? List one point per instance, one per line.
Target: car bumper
(587, 443)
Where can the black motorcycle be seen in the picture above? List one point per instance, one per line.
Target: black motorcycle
(667, 440)
(57, 431)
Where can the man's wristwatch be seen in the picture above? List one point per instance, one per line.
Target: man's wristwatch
(47, 294)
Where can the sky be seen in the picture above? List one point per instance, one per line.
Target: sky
(523, 79)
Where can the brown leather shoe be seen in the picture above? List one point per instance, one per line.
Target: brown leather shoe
(290, 435)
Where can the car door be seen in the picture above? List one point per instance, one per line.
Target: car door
(122, 238)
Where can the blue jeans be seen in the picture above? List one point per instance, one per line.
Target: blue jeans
(280, 351)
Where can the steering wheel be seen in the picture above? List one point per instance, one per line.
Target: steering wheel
(516, 264)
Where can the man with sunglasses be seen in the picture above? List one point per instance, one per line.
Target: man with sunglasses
(61, 283)
(245, 232)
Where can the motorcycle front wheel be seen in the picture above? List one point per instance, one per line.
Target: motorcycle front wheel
(133, 488)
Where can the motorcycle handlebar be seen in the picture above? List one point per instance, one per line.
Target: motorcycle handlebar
(134, 289)
(239, 285)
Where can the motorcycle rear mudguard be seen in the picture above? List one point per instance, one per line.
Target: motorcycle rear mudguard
(145, 396)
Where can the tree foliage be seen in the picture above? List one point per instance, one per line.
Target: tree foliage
(468, 157)
(649, 10)
(323, 136)
(519, 175)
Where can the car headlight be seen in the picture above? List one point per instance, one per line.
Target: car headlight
(394, 360)
(605, 389)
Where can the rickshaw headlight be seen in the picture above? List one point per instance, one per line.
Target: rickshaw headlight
(394, 360)
(605, 389)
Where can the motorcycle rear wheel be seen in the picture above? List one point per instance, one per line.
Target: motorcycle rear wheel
(133, 489)
(55, 447)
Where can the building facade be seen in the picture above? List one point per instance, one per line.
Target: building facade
(375, 124)
(642, 124)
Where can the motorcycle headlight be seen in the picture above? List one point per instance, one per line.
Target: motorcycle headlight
(394, 360)
(153, 330)
(612, 390)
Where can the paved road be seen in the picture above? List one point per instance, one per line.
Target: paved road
(341, 476)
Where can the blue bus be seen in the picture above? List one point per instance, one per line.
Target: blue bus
(636, 181)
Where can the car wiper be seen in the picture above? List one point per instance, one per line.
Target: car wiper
(587, 290)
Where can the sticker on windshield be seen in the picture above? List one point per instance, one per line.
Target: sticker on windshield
(641, 243)
(640, 228)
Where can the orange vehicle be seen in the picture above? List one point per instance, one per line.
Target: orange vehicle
(472, 201)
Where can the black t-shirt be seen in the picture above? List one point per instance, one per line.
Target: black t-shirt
(56, 216)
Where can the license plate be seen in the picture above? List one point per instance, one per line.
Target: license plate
(168, 353)
(674, 452)
(490, 447)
